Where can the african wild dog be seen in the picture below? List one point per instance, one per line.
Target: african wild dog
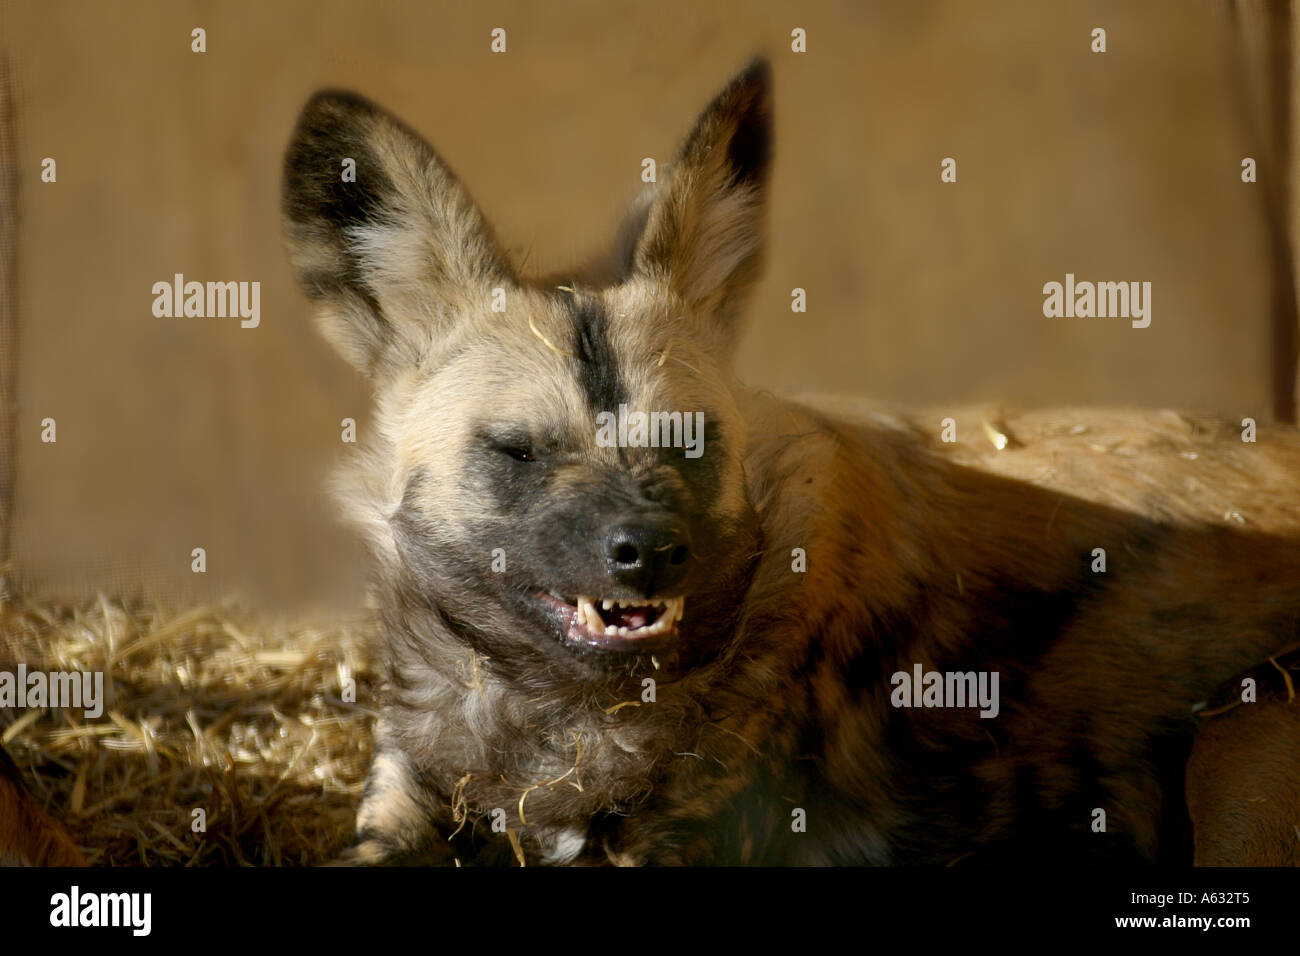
(624, 654)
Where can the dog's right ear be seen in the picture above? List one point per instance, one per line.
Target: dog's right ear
(703, 228)
(381, 234)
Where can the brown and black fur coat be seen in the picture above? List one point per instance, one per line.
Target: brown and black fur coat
(828, 550)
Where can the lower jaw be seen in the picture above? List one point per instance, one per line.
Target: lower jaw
(581, 637)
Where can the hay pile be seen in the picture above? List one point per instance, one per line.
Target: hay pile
(220, 708)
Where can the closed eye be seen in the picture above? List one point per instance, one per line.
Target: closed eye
(513, 442)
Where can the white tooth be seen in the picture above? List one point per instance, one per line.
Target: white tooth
(611, 630)
(588, 617)
(622, 632)
(607, 604)
(672, 612)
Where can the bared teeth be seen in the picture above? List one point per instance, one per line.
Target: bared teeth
(670, 612)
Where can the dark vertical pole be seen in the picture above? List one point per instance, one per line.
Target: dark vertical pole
(1288, 104)
(1281, 195)
(8, 316)
(1261, 56)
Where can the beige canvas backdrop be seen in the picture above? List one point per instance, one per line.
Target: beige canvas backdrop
(179, 433)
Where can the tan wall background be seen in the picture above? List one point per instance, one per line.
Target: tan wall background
(177, 433)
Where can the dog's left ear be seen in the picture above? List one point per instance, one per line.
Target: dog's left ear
(704, 228)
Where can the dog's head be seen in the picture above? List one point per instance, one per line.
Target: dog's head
(556, 468)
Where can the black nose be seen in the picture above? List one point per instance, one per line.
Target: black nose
(650, 557)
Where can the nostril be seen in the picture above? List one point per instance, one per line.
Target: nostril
(626, 554)
(679, 555)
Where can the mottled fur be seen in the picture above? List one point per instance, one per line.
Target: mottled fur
(775, 696)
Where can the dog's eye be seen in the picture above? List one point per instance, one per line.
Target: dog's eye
(519, 451)
(514, 442)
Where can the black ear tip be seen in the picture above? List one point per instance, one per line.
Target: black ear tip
(336, 104)
(328, 117)
(751, 88)
(333, 125)
(757, 75)
(750, 98)
(751, 91)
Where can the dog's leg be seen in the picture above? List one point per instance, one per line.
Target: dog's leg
(396, 824)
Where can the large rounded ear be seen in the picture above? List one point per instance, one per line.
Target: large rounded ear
(382, 235)
(704, 227)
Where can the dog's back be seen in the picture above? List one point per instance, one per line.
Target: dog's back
(1112, 567)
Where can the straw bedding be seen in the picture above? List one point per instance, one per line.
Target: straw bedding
(222, 708)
